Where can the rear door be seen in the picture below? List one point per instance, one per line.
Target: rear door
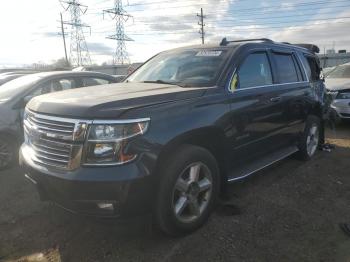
(292, 92)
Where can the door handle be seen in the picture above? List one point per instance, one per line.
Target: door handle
(275, 99)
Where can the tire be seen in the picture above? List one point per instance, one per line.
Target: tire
(310, 139)
(8, 152)
(188, 190)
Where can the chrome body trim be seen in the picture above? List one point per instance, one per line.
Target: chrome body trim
(255, 87)
(121, 121)
(260, 168)
(58, 142)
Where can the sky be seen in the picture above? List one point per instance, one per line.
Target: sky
(29, 29)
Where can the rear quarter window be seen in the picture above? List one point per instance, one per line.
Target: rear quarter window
(312, 68)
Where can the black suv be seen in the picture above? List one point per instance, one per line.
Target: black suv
(170, 138)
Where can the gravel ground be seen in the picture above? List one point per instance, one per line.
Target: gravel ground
(288, 212)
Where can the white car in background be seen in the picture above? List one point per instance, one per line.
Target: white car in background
(338, 84)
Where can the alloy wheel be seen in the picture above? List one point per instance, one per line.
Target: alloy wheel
(312, 140)
(192, 192)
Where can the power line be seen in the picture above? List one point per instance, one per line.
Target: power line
(246, 26)
(256, 8)
(288, 22)
(238, 14)
(182, 32)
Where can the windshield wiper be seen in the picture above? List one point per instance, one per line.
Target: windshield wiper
(163, 82)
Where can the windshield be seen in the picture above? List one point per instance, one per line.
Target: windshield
(16, 87)
(199, 67)
(340, 72)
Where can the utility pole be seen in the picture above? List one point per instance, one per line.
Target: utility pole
(120, 15)
(79, 52)
(201, 24)
(64, 39)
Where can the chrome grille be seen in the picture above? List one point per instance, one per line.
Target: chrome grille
(54, 142)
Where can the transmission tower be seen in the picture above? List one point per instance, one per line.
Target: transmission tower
(79, 52)
(121, 16)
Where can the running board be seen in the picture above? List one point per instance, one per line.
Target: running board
(243, 172)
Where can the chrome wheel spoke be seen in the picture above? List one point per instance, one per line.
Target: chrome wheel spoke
(313, 130)
(204, 185)
(194, 172)
(180, 205)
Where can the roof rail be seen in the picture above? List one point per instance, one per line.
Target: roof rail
(224, 41)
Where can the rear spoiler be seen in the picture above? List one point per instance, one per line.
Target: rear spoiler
(311, 47)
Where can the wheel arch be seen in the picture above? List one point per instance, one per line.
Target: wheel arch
(210, 138)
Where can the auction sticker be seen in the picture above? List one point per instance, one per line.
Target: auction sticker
(209, 53)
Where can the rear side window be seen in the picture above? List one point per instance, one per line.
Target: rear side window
(55, 86)
(286, 68)
(255, 71)
(94, 81)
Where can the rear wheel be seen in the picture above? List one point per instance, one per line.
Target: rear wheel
(7, 152)
(188, 190)
(310, 139)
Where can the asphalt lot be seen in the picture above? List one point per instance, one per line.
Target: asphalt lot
(288, 212)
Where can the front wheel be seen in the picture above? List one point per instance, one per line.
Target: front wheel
(310, 138)
(188, 190)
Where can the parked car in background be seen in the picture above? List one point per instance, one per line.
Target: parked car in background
(15, 94)
(327, 70)
(171, 137)
(23, 72)
(338, 84)
(8, 77)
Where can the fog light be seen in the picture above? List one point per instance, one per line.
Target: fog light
(105, 206)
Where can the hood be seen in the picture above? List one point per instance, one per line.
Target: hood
(109, 101)
(336, 84)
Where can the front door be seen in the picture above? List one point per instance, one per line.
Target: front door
(255, 108)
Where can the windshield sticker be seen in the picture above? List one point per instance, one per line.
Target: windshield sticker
(208, 53)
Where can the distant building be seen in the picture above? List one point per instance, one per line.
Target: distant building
(330, 51)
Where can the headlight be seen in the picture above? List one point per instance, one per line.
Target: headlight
(344, 95)
(107, 143)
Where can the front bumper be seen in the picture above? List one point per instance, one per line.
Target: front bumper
(124, 191)
(341, 107)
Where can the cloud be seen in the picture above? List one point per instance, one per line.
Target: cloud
(157, 27)
(99, 48)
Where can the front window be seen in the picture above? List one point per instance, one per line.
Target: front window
(195, 68)
(255, 71)
(340, 72)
